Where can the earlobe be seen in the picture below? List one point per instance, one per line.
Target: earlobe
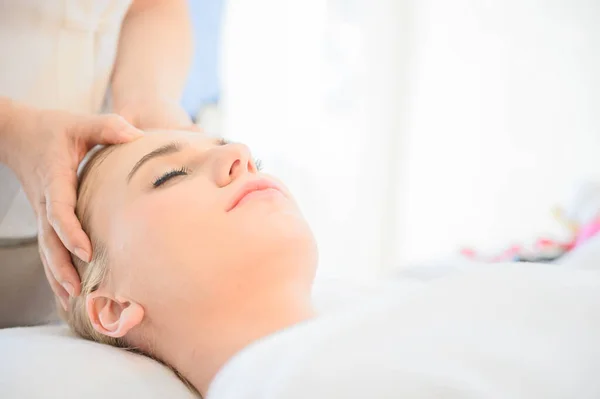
(111, 316)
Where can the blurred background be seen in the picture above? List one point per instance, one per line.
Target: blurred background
(408, 129)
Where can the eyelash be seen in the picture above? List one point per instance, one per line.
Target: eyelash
(183, 171)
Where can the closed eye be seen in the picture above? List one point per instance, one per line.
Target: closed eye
(159, 181)
(183, 171)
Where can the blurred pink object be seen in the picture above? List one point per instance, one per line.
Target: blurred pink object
(587, 231)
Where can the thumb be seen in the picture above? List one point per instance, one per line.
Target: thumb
(110, 129)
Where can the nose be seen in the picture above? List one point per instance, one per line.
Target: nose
(232, 161)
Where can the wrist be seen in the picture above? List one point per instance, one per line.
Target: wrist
(13, 118)
(147, 88)
(133, 98)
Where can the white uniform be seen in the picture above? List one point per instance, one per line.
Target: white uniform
(56, 54)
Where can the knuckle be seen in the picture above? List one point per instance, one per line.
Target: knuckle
(41, 203)
(56, 264)
(44, 229)
(57, 213)
(52, 214)
(42, 241)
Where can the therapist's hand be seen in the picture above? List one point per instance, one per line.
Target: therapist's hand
(44, 149)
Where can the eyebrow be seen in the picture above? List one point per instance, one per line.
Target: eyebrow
(165, 150)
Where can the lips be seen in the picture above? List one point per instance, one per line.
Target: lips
(250, 187)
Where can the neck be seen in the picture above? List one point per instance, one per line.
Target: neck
(204, 348)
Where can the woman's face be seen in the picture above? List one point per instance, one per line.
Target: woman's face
(191, 226)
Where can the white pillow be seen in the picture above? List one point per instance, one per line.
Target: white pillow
(51, 362)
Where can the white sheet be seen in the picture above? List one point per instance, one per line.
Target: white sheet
(511, 331)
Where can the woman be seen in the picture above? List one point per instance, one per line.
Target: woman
(238, 230)
(61, 61)
(204, 262)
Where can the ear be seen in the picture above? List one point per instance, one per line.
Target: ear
(112, 316)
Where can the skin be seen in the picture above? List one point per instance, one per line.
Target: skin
(152, 65)
(44, 148)
(149, 75)
(189, 281)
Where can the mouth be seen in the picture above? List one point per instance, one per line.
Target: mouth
(265, 186)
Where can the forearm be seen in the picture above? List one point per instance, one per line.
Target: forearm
(7, 115)
(155, 51)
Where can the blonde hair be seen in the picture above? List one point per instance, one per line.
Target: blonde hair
(94, 273)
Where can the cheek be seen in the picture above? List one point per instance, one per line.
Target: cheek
(162, 236)
(180, 242)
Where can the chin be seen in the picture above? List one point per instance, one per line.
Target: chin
(282, 241)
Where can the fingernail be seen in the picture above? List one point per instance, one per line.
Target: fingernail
(135, 133)
(69, 288)
(81, 254)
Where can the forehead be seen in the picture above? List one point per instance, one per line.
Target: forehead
(122, 158)
(157, 138)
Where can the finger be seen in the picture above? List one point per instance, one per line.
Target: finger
(61, 198)
(111, 129)
(58, 259)
(59, 291)
(192, 128)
